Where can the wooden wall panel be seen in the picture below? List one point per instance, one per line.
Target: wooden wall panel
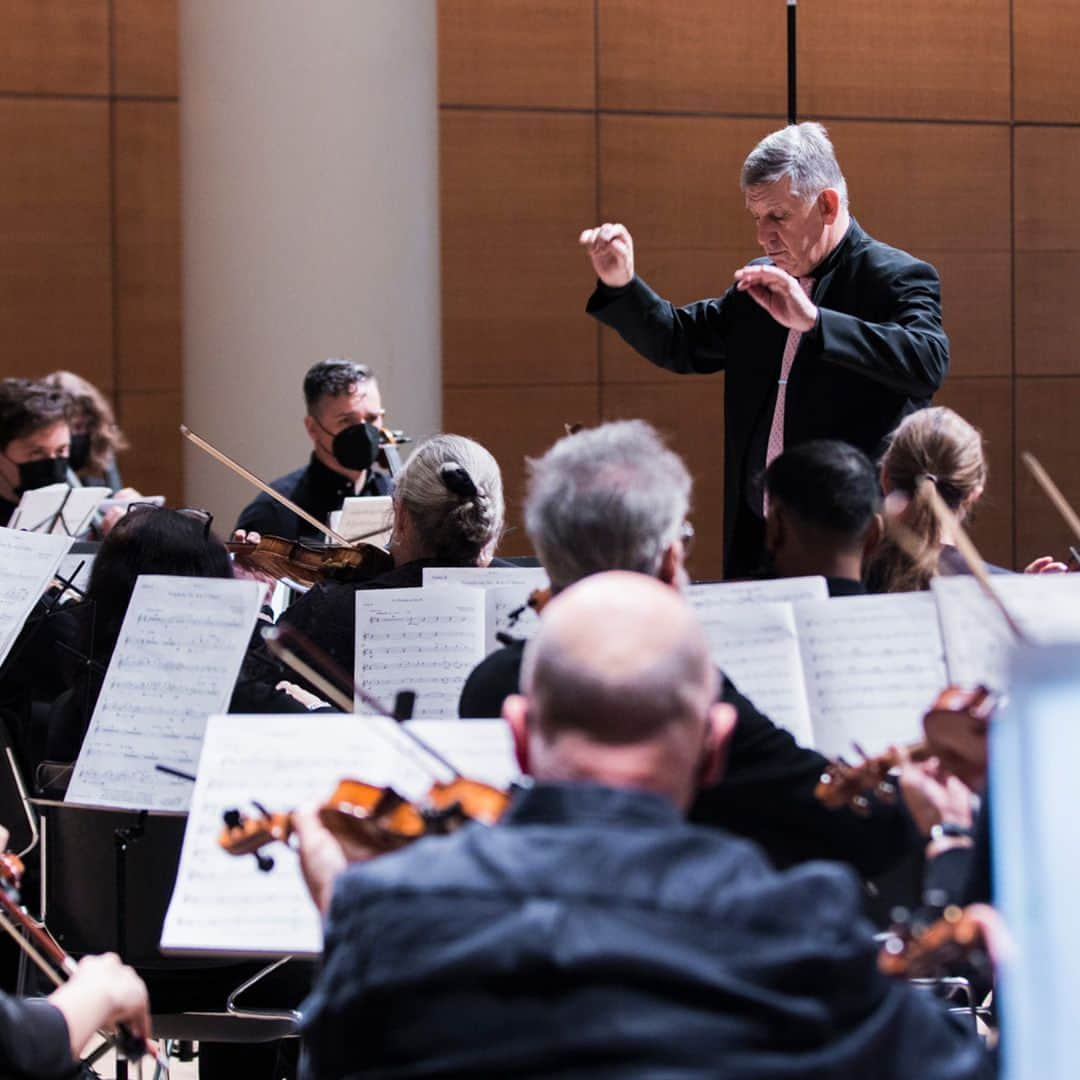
(54, 46)
(538, 53)
(674, 183)
(55, 272)
(147, 182)
(1046, 61)
(690, 414)
(690, 56)
(987, 403)
(1046, 412)
(921, 59)
(517, 189)
(513, 425)
(145, 61)
(1047, 240)
(941, 191)
(154, 464)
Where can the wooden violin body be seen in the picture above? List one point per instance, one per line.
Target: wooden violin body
(375, 819)
(955, 725)
(953, 941)
(311, 564)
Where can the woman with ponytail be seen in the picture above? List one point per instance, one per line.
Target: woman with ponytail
(447, 511)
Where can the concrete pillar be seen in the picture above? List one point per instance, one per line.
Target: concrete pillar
(309, 148)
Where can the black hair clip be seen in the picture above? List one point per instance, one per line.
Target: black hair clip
(456, 477)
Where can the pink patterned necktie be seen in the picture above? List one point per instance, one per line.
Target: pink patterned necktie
(776, 432)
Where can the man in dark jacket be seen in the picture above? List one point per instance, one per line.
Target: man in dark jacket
(832, 335)
(593, 931)
(616, 498)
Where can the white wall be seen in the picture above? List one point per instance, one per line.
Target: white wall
(309, 148)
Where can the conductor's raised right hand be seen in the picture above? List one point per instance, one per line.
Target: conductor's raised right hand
(611, 249)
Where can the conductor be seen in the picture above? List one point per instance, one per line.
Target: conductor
(832, 335)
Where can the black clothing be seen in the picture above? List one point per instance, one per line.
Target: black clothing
(963, 875)
(314, 488)
(34, 1041)
(7, 508)
(593, 932)
(877, 353)
(842, 586)
(767, 792)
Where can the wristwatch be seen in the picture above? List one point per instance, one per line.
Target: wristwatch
(950, 829)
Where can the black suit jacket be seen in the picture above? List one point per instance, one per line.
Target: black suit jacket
(592, 932)
(877, 353)
(767, 791)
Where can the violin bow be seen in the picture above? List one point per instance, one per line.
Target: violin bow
(1052, 491)
(276, 637)
(265, 488)
(950, 523)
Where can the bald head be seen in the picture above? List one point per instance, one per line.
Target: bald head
(618, 689)
(618, 657)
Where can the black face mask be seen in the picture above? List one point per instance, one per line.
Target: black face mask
(357, 447)
(79, 450)
(41, 473)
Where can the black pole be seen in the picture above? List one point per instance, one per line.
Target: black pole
(792, 90)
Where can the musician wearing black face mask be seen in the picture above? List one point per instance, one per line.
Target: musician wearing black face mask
(344, 412)
(34, 440)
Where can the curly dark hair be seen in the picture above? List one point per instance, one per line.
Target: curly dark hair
(27, 406)
(328, 378)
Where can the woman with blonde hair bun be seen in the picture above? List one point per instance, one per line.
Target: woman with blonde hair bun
(938, 447)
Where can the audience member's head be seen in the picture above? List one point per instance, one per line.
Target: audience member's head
(618, 689)
(96, 437)
(149, 540)
(344, 413)
(614, 497)
(823, 510)
(448, 504)
(34, 435)
(933, 446)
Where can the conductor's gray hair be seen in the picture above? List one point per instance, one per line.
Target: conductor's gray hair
(608, 498)
(452, 489)
(801, 152)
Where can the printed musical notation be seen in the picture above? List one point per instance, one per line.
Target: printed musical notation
(222, 904)
(175, 663)
(28, 562)
(451, 622)
(709, 594)
(873, 664)
(979, 644)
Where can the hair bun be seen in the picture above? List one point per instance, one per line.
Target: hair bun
(457, 479)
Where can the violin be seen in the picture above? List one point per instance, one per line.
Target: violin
(955, 726)
(44, 950)
(913, 952)
(377, 819)
(310, 564)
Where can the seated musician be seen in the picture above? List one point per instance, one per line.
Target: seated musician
(593, 931)
(448, 511)
(344, 414)
(939, 447)
(823, 514)
(147, 540)
(42, 1038)
(96, 437)
(616, 498)
(35, 440)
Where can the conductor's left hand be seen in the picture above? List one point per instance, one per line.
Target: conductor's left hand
(779, 294)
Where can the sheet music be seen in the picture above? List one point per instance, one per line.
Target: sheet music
(873, 665)
(758, 647)
(38, 508)
(75, 567)
(175, 663)
(978, 643)
(510, 587)
(223, 904)
(772, 591)
(363, 514)
(28, 562)
(425, 640)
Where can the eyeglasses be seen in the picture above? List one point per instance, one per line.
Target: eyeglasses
(203, 517)
(686, 535)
